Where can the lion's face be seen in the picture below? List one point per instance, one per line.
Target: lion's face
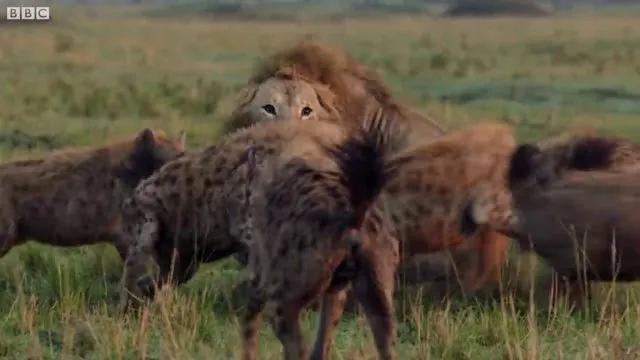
(282, 100)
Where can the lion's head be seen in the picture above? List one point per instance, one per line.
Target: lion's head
(349, 80)
(281, 98)
(340, 83)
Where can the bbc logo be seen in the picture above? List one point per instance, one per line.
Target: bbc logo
(27, 13)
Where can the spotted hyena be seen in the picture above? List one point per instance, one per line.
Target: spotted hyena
(318, 221)
(584, 227)
(73, 196)
(188, 212)
(577, 154)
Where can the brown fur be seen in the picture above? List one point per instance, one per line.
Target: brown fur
(316, 224)
(305, 238)
(575, 152)
(585, 150)
(193, 205)
(73, 196)
(352, 86)
(582, 228)
(444, 173)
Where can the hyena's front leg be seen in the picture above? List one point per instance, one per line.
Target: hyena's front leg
(174, 269)
(121, 242)
(144, 235)
(492, 254)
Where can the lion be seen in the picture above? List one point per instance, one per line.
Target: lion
(321, 219)
(341, 83)
(72, 197)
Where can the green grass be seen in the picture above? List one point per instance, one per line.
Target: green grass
(82, 80)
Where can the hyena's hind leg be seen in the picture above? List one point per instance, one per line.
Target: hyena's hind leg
(250, 321)
(8, 227)
(285, 322)
(373, 287)
(142, 228)
(331, 309)
(332, 306)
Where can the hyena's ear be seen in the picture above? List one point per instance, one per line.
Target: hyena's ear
(145, 138)
(140, 161)
(523, 162)
(531, 166)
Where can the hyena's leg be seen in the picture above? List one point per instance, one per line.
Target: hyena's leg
(251, 319)
(121, 243)
(577, 291)
(332, 307)
(144, 233)
(492, 254)
(122, 251)
(8, 238)
(174, 269)
(373, 286)
(178, 268)
(242, 257)
(8, 231)
(286, 325)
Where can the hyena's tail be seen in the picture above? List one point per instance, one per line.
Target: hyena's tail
(362, 161)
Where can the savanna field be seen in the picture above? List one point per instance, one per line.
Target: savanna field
(87, 77)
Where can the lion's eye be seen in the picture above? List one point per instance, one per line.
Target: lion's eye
(270, 109)
(306, 111)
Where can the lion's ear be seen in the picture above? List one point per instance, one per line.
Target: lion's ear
(245, 96)
(326, 98)
(240, 117)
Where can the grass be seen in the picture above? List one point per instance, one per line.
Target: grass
(86, 77)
